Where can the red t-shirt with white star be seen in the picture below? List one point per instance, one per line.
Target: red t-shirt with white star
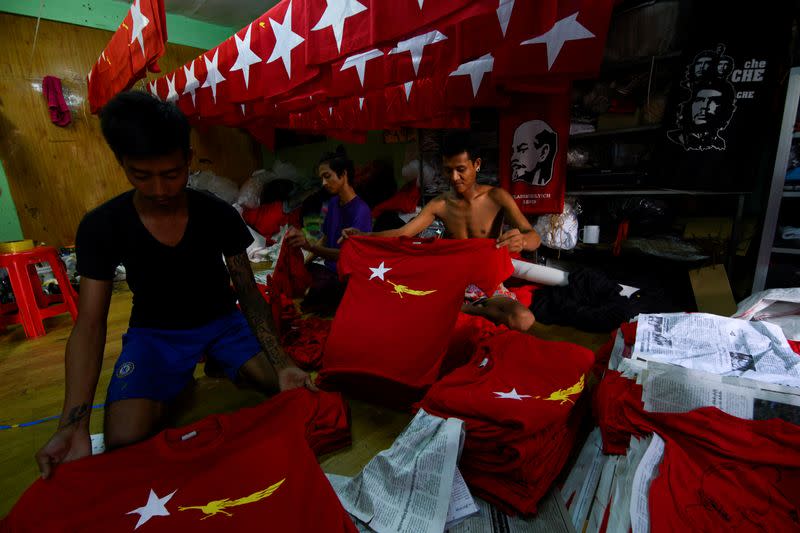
(248, 471)
(403, 296)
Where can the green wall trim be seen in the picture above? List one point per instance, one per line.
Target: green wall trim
(107, 14)
(10, 230)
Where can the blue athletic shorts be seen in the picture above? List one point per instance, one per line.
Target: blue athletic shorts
(157, 364)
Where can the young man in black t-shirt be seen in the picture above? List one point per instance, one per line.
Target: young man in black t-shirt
(172, 241)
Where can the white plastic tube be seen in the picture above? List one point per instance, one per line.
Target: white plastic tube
(538, 273)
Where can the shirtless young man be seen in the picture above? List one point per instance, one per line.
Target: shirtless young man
(470, 210)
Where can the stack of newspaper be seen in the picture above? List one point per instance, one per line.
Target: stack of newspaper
(683, 362)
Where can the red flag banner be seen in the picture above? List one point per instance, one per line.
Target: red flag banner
(134, 49)
(533, 151)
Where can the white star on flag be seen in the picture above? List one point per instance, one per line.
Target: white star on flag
(153, 88)
(359, 61)
(214, 76)
(245, 57)
(475, 70)
(566, 29)
(336, 12)
(191, 82)
(140, 22)
(155, 506)
(416, 46)
(172, 94)
(420, 2)
(360, 103)
(285, 41)
(379, 272)
(407, 88)
(504, 9)
(512, 395)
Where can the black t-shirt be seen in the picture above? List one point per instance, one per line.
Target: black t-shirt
(180, 287)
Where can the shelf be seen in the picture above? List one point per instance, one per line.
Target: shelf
(652, 192)
(778, 250)
(621, 131)
(796, 135)
(791, 194)
(637, 62)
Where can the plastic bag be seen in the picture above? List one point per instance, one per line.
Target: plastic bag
(220, 187)
(250, 191)
(559, 231)
(285, 171)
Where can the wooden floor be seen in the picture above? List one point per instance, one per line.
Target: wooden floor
(32, 388)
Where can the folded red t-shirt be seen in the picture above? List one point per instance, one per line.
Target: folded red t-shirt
(403, 296)
(226, 472)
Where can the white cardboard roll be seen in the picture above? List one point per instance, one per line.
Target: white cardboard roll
(538, 273)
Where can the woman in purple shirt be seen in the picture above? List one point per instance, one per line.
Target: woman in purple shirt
(345, 210)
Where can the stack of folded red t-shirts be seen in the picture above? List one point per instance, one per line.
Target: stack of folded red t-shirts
(517, 397)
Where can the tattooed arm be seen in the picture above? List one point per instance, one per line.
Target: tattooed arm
(83, 360)
(259, 316)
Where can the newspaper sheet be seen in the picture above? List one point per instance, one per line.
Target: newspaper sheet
(602, 497)
(581, 483)
(551, 517)
(619, 518)
(408, 487)
(719, 345)
(617, 352)
(640, 490)
(462, 504)
(668, 389)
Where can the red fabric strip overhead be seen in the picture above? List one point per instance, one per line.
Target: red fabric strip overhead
(133, 50)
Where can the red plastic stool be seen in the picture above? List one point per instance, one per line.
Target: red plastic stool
(31, 302)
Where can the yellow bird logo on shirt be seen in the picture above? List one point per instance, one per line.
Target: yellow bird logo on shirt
(563, 395)
(400, 290)
(218, 506)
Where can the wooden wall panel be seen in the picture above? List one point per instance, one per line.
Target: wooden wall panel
(57, 174)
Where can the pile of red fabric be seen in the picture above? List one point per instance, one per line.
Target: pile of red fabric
(718, 472)
(268, 218)
(233, 471)
(404, 201)
(469, 332)
(517, 397)
(290, 277)
(302, 338)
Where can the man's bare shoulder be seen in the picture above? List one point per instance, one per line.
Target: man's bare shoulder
(501, 196)
(441, 200)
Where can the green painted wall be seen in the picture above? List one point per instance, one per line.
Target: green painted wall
(107, 14)
(305, 157)
(10, 229)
